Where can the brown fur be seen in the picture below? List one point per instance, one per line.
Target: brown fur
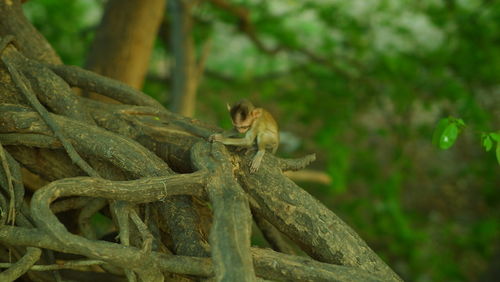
(259, 127)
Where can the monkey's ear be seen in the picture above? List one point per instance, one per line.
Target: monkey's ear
(228, 107)
(256, 112)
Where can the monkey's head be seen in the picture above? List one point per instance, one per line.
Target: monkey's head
(243, 115)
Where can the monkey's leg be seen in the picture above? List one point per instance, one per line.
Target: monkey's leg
(257, 159)
(262, 141)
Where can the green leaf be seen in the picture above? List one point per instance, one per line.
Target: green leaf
(487, 142)
(449, 136)
(495, 136)
(441, 126)
(460, 122)
(498, 152)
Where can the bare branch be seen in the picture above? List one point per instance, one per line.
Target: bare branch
(110, 252)
(296, 164)
(81, 265)
(30, 96)
(316, 229)
(268, 264)
(22, 266)
(69, 204)
(78, 77)
(275, 266)
(147, 143)
(232, 223)
(272, 235)
(123, 152)
(309, 175)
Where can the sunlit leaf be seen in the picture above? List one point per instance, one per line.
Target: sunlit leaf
(460, 122)
(487, 142)
(495, 136)
(441, 126)
(448, 137)
(498, 152)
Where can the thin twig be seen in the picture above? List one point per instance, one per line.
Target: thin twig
(147, 237)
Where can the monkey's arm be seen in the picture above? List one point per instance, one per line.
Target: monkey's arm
(230, 133)
(245, 141)
(224, 135)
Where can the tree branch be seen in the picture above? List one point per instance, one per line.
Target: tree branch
(316, 229)
(19, 80)
(268, 264)
(22, 266)
(84, 79)
(232, 222)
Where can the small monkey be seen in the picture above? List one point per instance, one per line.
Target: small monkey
(257, 124)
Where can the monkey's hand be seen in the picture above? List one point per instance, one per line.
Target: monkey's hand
(254, 166)
(216, 137)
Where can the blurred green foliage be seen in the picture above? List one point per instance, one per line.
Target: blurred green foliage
(363, 84)
(68, 25)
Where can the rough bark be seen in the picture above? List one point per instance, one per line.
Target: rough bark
(29, 40)
(150, 167)
(316, 229)
(232, 220)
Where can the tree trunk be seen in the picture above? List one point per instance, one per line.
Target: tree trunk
(29, 40)
(186, 69)
(124, 40)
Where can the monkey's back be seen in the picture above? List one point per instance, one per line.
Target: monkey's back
(271, 126)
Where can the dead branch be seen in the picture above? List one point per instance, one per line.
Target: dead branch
(308, 175)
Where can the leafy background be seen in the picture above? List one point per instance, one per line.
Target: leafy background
(363, 84)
